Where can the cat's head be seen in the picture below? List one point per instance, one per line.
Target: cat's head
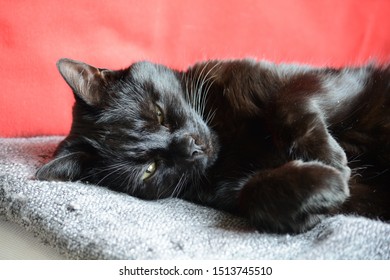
(137, 130)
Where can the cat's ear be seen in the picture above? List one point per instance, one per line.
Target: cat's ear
(85, 80)
(65, 167)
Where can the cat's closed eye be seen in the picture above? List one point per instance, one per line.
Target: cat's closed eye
(159, 114)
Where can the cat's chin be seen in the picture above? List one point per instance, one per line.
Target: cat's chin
(202, 162)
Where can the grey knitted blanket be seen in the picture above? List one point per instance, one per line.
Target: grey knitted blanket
(88, 222)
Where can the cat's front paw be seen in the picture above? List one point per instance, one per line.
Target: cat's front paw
(294, 197)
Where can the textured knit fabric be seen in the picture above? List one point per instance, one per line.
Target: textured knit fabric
(89, 222)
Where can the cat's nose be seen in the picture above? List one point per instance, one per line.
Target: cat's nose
(187, 147)
(194, 149)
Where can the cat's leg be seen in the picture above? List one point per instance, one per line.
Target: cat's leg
(318, 145)
(293, 197)
(304, 133)
(313, 182)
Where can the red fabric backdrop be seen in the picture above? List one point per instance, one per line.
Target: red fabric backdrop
(35, 34)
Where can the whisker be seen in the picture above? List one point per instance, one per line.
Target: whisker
(119, 166)
(177, 190)
(210, 116)
(163, 191)
(101, 170)
(201, 87)
(130, 187)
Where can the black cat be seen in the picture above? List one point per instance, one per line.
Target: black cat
(266, 141)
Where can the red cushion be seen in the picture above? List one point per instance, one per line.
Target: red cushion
(112, 34)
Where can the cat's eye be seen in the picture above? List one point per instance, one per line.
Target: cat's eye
(160, 115)
(149, 171)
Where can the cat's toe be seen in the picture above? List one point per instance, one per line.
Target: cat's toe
(329, 188)
(345, 171)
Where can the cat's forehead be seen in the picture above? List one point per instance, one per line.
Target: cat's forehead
(160, 77)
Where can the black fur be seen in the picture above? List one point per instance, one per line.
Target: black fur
(269, 142)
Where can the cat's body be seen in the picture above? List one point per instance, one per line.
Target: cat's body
(269, 142)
